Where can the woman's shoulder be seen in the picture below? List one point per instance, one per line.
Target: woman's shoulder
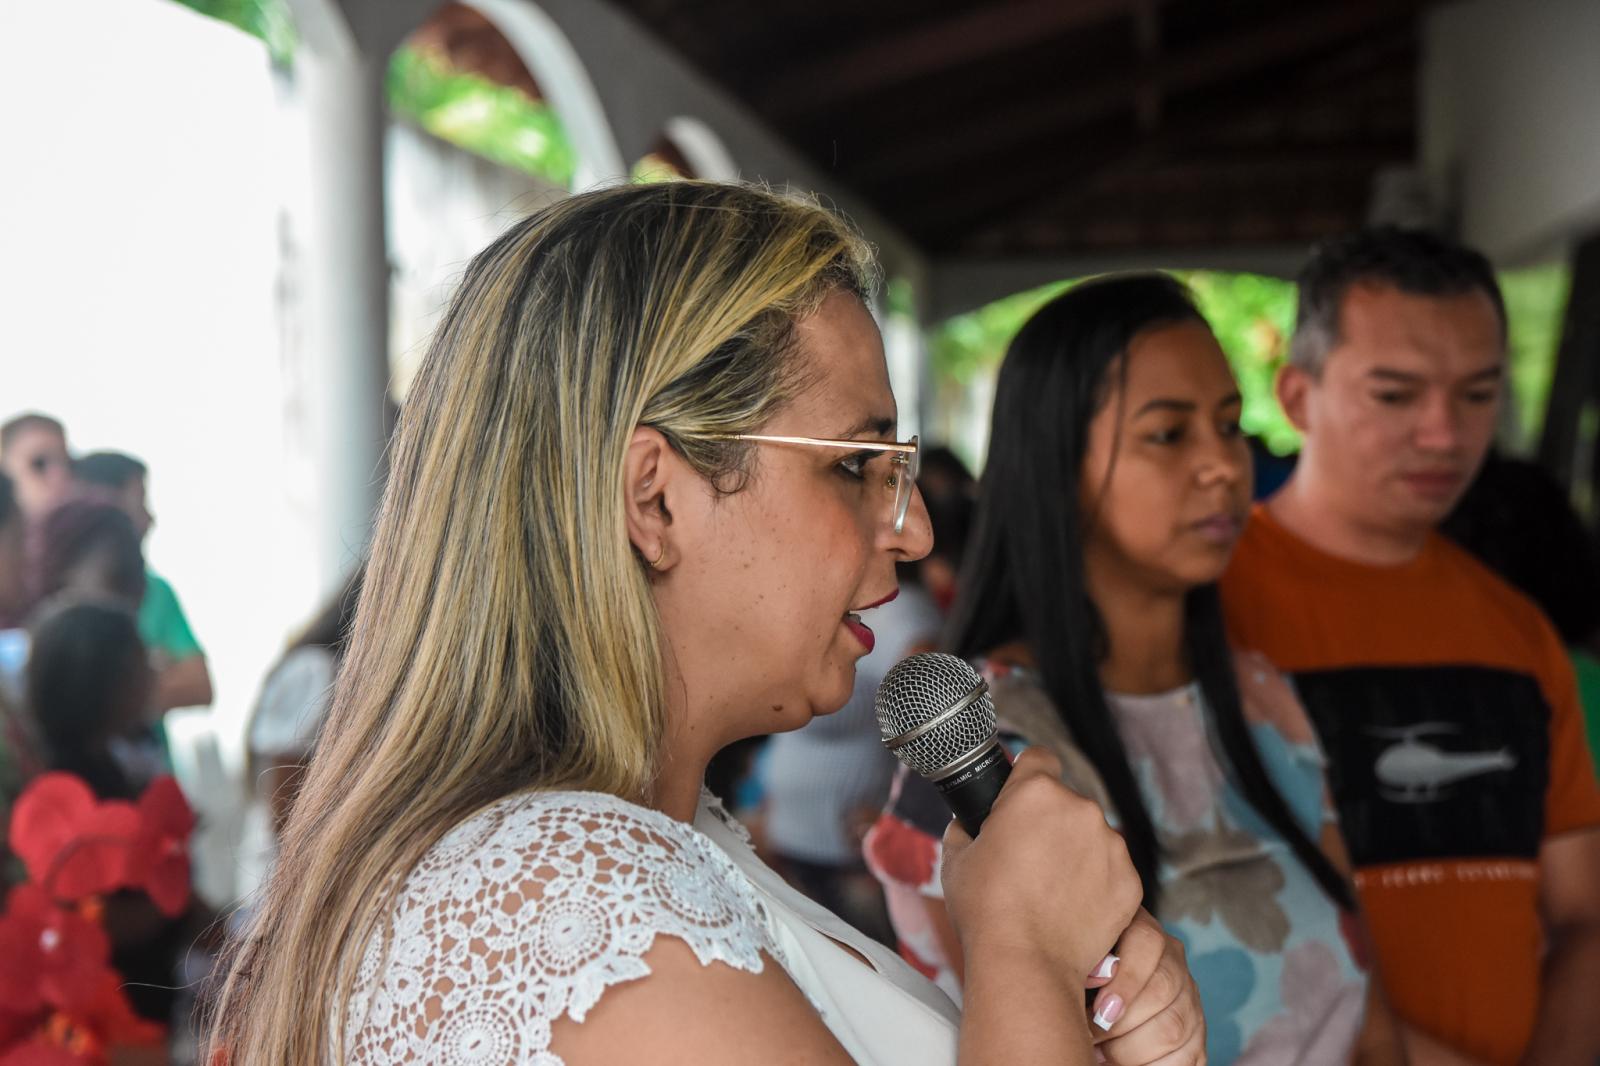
(570, 843)
(1027, 716)
(529, 909)
(1268, 698)
(1024, 710)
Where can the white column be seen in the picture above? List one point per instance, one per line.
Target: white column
(345, 300)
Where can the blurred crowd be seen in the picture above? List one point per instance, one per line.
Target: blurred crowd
(95, 650)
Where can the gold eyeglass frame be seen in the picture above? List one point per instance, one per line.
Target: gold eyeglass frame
(906, 455)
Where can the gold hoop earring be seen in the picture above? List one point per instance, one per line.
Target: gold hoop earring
(655, 564)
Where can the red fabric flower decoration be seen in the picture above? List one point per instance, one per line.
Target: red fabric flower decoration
(158, 861)
(61, 1002)
(42, 1051)
(16, 1024)
(52, 957)
(901, 852)
(72, 844)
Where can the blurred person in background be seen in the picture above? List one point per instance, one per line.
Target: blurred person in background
(33, 454)
(17, 745)
(81, 549)
(13, 566)
(950, 498)
(825, 784)
(89, 684)
(87, 687)
(1117, 482)
(946, 475)
(282, 732)
(86, 549)
(182, 677)
(293, 702)
(1444, 698)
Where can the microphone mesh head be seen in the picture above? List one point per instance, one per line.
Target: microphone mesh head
(922, 687)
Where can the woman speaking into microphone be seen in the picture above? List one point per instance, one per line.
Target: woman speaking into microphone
(644, 485)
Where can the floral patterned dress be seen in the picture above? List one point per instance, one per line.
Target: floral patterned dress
(1281, 968)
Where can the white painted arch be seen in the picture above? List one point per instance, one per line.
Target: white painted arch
(704, 150)
(564, 79)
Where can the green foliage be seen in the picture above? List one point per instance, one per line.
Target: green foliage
(899, 298)
(971, 345)
(495, 121)
(1536, 300)
(1253, 317)
(266, 19)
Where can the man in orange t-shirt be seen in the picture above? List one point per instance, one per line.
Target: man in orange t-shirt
(1444, 700)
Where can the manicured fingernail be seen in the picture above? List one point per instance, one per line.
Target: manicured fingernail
(1107, 967)
(1109, 1010)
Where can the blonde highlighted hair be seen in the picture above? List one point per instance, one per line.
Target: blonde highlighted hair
(505, 637)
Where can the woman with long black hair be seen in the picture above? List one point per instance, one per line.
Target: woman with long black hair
(1118, 481)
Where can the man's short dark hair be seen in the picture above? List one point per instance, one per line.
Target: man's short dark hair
(1415, 262)
(111, 470)
(13, 427)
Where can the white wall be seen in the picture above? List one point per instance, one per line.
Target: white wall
(1510, 100)
(444, 206)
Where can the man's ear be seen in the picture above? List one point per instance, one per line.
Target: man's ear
(647, 472)
(1293, 386)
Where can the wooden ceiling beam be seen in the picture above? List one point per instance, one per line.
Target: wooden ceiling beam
(1229, 57)
(1272, 163)
(937, 47)
(1173, 184)
(1147, 21)
(1030, 193)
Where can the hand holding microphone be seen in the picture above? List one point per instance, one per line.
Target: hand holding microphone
(1046, 874)
(1048, 885)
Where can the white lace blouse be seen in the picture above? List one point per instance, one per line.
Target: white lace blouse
(529, 910)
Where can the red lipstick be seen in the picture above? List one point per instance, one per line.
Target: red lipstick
(879, 603)
(860, 631)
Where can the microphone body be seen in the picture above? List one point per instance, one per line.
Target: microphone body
(935, 714)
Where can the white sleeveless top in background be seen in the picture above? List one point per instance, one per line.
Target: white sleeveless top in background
(611, 876)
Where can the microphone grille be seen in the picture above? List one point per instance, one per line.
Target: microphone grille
(918, 689)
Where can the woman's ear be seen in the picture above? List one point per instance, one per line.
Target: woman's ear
(647, 471)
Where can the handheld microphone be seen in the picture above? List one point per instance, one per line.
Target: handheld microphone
(935, 714)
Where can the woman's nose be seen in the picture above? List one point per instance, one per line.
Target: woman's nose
(915, 538)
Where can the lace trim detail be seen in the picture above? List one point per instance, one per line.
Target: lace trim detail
(527, 912)
(710, 802)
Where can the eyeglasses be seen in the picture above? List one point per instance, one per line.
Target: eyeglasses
(905, 459)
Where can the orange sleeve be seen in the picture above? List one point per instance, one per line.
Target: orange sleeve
(1573, 799)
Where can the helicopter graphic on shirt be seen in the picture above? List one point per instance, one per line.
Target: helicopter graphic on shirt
(1414, 771)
